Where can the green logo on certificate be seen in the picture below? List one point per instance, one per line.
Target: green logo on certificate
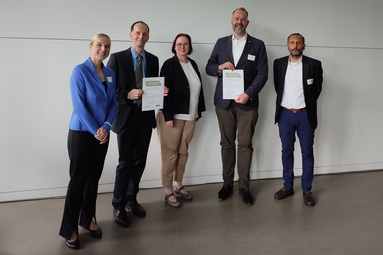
(233, 75)
(153, 83)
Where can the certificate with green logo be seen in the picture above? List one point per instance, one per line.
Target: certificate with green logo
(153, 97)
(232, 83)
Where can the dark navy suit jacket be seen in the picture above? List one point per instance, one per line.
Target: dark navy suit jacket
(312, 76)
(122, 65)
(254, 63)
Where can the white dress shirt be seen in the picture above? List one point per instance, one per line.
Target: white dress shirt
(238, 46)
(293, 96)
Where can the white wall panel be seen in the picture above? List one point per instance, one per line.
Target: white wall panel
(42, 41)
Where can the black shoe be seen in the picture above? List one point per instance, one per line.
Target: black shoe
(95, 233)
(121, 217)
(75, 245)
(136, 208)
(225, 192)
(246, 196)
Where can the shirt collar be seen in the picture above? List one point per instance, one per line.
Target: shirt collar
(244, 38)
(296, 63)
(135, 54)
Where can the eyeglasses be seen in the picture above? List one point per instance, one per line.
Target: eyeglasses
(179, 45)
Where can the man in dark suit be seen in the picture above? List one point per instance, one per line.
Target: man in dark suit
(298, 83)
(238, 51)
(132, 125)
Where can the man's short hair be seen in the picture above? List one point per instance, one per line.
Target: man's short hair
(296, 34)
(241, 9)
(132, 27)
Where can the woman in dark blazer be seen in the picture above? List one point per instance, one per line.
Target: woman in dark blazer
(176, 121)
(94, 108)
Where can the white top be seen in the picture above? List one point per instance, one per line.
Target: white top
(293, 97)
(238, 46)
(195, 88)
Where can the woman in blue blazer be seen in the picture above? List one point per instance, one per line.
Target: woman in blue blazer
(94, 108)
(177, 120)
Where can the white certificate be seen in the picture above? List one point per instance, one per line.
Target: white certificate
(233, 84)
(153, 97)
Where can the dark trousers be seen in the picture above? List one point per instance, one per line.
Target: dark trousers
(133, 143)
(87, 157)
(289, 123)
(229, 120)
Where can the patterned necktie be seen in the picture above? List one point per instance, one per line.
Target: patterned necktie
(139, 77)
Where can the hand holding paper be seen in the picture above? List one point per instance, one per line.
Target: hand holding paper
(242, 98)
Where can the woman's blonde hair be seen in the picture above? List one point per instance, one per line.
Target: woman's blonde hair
(94, 38)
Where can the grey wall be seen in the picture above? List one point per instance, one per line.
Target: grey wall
(42, 40)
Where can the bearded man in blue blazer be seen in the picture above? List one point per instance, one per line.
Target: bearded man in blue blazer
(238, 51)
(298, 83)
(132, 125)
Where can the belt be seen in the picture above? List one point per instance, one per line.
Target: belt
(296, 110)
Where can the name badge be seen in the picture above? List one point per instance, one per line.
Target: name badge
(310, 81)
(110, 79)
(251, 57)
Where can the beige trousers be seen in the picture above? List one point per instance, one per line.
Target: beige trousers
(174, 143)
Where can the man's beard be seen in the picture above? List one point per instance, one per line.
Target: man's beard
(296, 54)
(239, 32)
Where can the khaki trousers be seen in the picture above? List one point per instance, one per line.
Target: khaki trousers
(174, 143)
(229, 120)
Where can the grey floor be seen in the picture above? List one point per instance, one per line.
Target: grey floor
(346, 220)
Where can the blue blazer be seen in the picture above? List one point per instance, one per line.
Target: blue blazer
(253, 61)
(92, 106)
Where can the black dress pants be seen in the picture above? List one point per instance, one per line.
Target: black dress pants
(133, 143)
(87, 157)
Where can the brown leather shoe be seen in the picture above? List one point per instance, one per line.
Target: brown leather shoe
(308, 198)
(283, 193)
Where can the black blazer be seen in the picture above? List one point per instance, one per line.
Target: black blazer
(312, 85)
(122, 65)
(178, 99)
(254, 63)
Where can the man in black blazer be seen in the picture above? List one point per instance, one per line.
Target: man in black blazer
(238, 51)
(298, 83)
(132, 125)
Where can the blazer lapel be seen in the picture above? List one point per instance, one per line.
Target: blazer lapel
(283, 74)
(245, 51)
(130, 68)
(229, 49)
(180, 71)
(284, 67)
(305, 71)
(108, 82)
(92, 69)
(149, 67)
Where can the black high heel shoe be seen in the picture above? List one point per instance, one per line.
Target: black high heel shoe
(96, 233)
(75, 245)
